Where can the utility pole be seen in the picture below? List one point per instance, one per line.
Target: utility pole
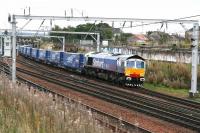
(64, 44)
(13, 49)
(195, 42)
(98, 42)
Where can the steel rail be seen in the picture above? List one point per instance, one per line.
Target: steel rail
(110, 97)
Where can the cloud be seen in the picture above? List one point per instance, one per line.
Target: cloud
(168, 9)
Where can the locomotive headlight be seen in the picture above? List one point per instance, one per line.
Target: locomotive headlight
(128, 78)
(142, 79)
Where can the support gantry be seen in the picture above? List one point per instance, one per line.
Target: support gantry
(195, 37)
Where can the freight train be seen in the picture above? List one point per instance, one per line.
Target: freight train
(118, 68)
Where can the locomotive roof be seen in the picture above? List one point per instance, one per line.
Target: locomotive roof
(114, 56)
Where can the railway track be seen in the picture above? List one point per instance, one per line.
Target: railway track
(180, 101)
(178, 114)
(145, 91)
(127, 126)
(186, 116)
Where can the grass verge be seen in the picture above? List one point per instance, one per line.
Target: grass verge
(24, 110)
(182, 93)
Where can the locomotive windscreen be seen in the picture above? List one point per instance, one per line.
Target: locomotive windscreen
(140, 64)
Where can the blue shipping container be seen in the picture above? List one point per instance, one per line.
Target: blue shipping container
(73, 60)
(35, 53)
(55, 57)
(48, 55)
(24, 51)
(28, 51)
(42, 54)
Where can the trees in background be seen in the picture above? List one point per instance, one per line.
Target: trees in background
(115, 35)
(103, 28)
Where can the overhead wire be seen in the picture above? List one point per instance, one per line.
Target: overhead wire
(93, 25)
(25, 24)
(39, 27)
(166, 21)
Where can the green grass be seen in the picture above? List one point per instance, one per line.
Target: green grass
(167, 90)
(182, 93)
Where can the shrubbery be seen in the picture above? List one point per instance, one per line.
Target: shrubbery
(175, 75)
(26, 111)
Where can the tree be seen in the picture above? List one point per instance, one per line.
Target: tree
(164, 37)
(124, 37)
(103, 28)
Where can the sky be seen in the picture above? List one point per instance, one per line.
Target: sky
(146, 9)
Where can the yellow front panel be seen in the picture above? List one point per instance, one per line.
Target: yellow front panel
(134, 71)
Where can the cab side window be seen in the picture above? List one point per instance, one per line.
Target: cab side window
(122, 64)
(90, 61)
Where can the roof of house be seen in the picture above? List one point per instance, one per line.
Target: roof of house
(141, 37)
(138, 37)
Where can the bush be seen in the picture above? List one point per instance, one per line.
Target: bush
(29, 111)
(174, 75)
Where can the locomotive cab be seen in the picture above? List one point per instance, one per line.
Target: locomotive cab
(134, 68)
